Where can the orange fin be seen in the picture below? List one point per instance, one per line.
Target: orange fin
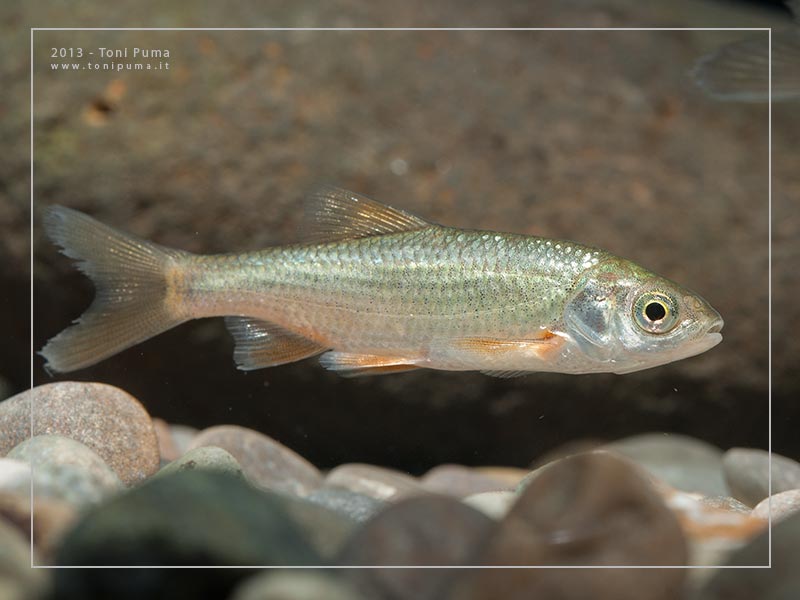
(541, 346)
(262, 344)
(333, 214)
(348, 364)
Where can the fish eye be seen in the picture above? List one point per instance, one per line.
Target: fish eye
(655, 312)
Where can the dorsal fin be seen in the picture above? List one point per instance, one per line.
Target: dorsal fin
(333, 214)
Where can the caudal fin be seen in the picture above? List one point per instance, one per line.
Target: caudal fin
(130, 278)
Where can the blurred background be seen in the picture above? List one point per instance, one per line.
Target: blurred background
(598, 137)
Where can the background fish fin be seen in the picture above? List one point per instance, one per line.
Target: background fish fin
(794, 6)
(132, 301)
(506, 374)
(262, 344)
(739, 71)
(349, 364)
(333, 214)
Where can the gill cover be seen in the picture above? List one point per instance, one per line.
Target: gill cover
(589, 314)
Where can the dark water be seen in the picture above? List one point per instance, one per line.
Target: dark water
(598, 137)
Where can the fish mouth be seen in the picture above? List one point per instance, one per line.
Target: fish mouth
(716, 327)
(710, 340)
(712, 336)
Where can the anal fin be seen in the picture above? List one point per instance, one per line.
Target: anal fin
(349, 364)
(261, 344)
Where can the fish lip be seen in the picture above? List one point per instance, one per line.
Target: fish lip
(712, 338)
(716, 327)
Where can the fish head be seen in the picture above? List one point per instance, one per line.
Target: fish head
(623, 318)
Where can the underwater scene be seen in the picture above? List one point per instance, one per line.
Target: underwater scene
(510, 303)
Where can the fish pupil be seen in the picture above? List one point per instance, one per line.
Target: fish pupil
(655, 311)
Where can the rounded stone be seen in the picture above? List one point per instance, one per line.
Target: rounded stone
(290, 585)
(725, 503)
(417, 531)
(51, 519)
(326, 530)
(182, 436)
(167, 449)
(713, 527)
(206, 458)
(509, 476)
(356, 507)
(747, 474)
(173, 440)
(67, 470)
(375, 482)
(781, 505)
(683, 462)
(17, 580)
(266, 463)
(459, 481)
(188, 518)
(106, 419)
(492, 504)
(585, 510)
(779, 582)
(15, 476)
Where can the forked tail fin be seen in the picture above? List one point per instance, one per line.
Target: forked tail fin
(132, 281)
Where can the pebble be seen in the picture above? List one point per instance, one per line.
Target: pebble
(683, 462)
(67, 470)
(167, 449)
(492, 504)
(713, 527)
(290, 585)
(422, 530)
(510, 476)
(779, 582)
(173, 440)
(206, 458)
(782, 505)
(52, 519)
(107, 419)
(356, 507)
(266, 463)
(326, 530)
(17, 580)
(459, 481)
(569, 448)
(182, 436)
(375, 482)
(725, 503)
(747, 474)
(15, 476)
(589, 509)
(189, 518)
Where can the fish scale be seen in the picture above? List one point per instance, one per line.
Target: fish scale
(458, 283)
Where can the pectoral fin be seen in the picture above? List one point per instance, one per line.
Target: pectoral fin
(349, 364)
(262, 344)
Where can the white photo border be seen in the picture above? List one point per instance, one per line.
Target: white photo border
(587, 29)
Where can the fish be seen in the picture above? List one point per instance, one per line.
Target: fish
(378, 290)
(739, 71)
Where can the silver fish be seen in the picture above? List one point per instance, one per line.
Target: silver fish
(380, 290)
